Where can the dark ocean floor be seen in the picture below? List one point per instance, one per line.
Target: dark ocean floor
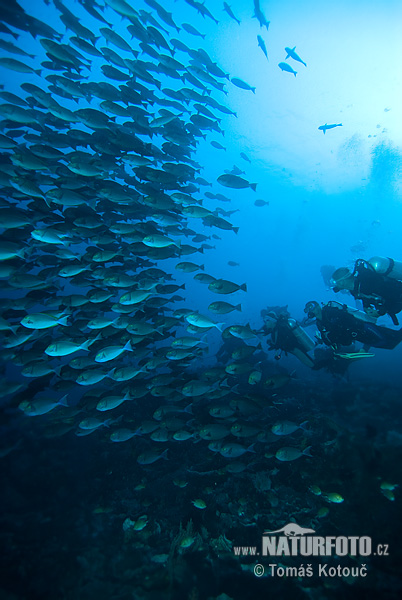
(65, 502)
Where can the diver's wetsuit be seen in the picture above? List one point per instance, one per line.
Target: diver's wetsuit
(338, 327)
(377, 290)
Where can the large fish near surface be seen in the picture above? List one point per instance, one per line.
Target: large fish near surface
(229, 11)
(292, 54)
(259, 15)
(286, 67)
(324, 128)
(262, 45)
(242, 84)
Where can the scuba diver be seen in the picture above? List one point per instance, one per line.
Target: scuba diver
(274, 311)
(340, 325)
(377, 283)
(288, 336)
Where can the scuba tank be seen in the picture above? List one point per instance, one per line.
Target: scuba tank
(387, 266)
(355, 312)
(304, 340)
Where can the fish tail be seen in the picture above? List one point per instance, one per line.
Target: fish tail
(238, 307)
(86, 344)
(243, 287)
(253, 186)
(63, 401)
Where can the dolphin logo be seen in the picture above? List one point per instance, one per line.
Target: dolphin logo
(291, 530)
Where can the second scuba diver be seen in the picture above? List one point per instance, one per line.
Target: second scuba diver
(340, 325)
(376, 283)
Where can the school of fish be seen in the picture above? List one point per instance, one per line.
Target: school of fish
(100, 191)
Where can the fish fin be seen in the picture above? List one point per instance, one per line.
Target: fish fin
(86, 344)
(63, 401)
(95, 339)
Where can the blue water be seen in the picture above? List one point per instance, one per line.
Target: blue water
(70, 502)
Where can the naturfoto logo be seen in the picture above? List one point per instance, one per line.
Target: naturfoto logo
(298, 541)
